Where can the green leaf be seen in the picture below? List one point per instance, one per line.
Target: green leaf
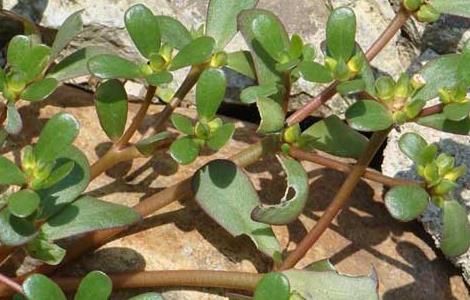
(72, 26)
(290, 206)
(272, 116)
(148, 296)
(76, 64)
(39, 90)
(14, 122)
(143, 29)
(109, 66)
(242, 62)
(406, 202)
(440, 122)
(59, 172)
(23, 203)
(351, 87)
(173, 32)
(210, 92)
(341, 33)
(15, 231)
(111, 107)
(95, 286)
(222, 189)
(412, 145)
(182, 123)
(2, 79)
(330, 135)
(56, 136)
(456, 230)
(330, 285)
(320, 266)
(369, 115)
(251, 94)
(196, 52)
(457, 111)
(220, 137)
(184, 150)
(148, 145)
(157, 79)
(452, 7)
(39, 287)
(46, 251)
(222, 19)
(272, 286)
(10, 174)
(314, 72)
(88, 214)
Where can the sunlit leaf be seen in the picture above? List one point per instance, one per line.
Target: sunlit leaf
(406, 202)
(221, 136)
(412, 145)
(272, 115)
(109, 66)
(72, 26)
(143, 29)
(10, 174)
(39, 90)
(253, 93)
(148, 145)
(457, 111)
(196, 52)
(39, 287)
(15, 231)
(182, 123)
(440, 122)
(341, 33)
(351, 87)
(157, 79)
(173, 32)
(184, 150)
(272, 286)
(59, 172)
(242, 62)
(314, 72)
(23, 203)
(369, 115)
(148, 296)
(96, 285)
(456, 230)
(452, 7)
(210, 92)
(44, 250)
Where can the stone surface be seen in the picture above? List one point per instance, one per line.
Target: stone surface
(397, 164)
(181, 236)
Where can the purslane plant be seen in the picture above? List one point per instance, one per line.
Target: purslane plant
(47, 202)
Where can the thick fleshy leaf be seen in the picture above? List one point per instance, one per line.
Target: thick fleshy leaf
(314, 72)
(290, 206)
(440, 122)
(222, 189)
(44, 250)
(109, 66)
(251, 94)
(242, 62)
(143, 29)
(95, 286)
(210, 92)
(59, 172)
(15, 231)
(148, 145)
(412, 145)
(39, 90)
(369, 115)
(196, 52)
(148, 296)
(76, 64)
(330, 135)
(272, 286)
(341, 33)
(39, 287)
(157, 79)
(184, 150)
(10, 174)
(111, 107)
(182, 123)
(351, 87)
(173, 32)
(457, 111)
(14, 123)
(456, 230)
(56, 136)
(321, 266)
(88, 214)
(72, 26)
(272, 115)
(23, 203)
(452, 7)
(330, 285)
(222, 19)
(221, 136)
(406, 202)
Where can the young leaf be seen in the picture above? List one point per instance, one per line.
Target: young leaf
(221, 136)
(184, 150)
(111, 107)
(157, 79)
(196, 52)
(96, 285)
(272, 115)
(62, 169)
(456, 230)
(14, 122)
(210, 92)
(440, 122)
(453, 7)
(39, 287)
(314, 72)
(46, 251)
(88, 214)
(148, 145)
(15, 231)
(72, 26)
(148, 296)
(10, 174)
(252, 93)
(406, 202)
(222, 19)
(143, 29)
(290, 208)
(457, 111)
(23, 203)
(341, 33)
(369, 115)
(173, 32)
(242, 62)
(351, 87)
(182, 123)
(272, 286)
(39, 90)
(222, 189)
(56, 136)
(330, 135)
(109, 66)
(412, 145)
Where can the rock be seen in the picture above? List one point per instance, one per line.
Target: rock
(397, 164)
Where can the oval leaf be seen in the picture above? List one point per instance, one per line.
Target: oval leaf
(407, 202)
(440, 122)
(109, 66)
(148, 296)
(369, 115)
(457, 111)
(143, 29)
(39, 90)
(96, 285)
(23, 203)
(184, 150)
(10, 174)
(148, 145)
(182, 123)
(272, 116)
(452, 7)
(158, 79)
(221, 136)
(412, 145)
(456, 229)
(39, 287)
(210, 92)
(242, 62)
(15, 231)
(272, 286)
(341, 33)
(253, 93)
(196, 52)
(314, 72)
(45, 251)
(72, 26)
(14, 121)
(173, 32)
